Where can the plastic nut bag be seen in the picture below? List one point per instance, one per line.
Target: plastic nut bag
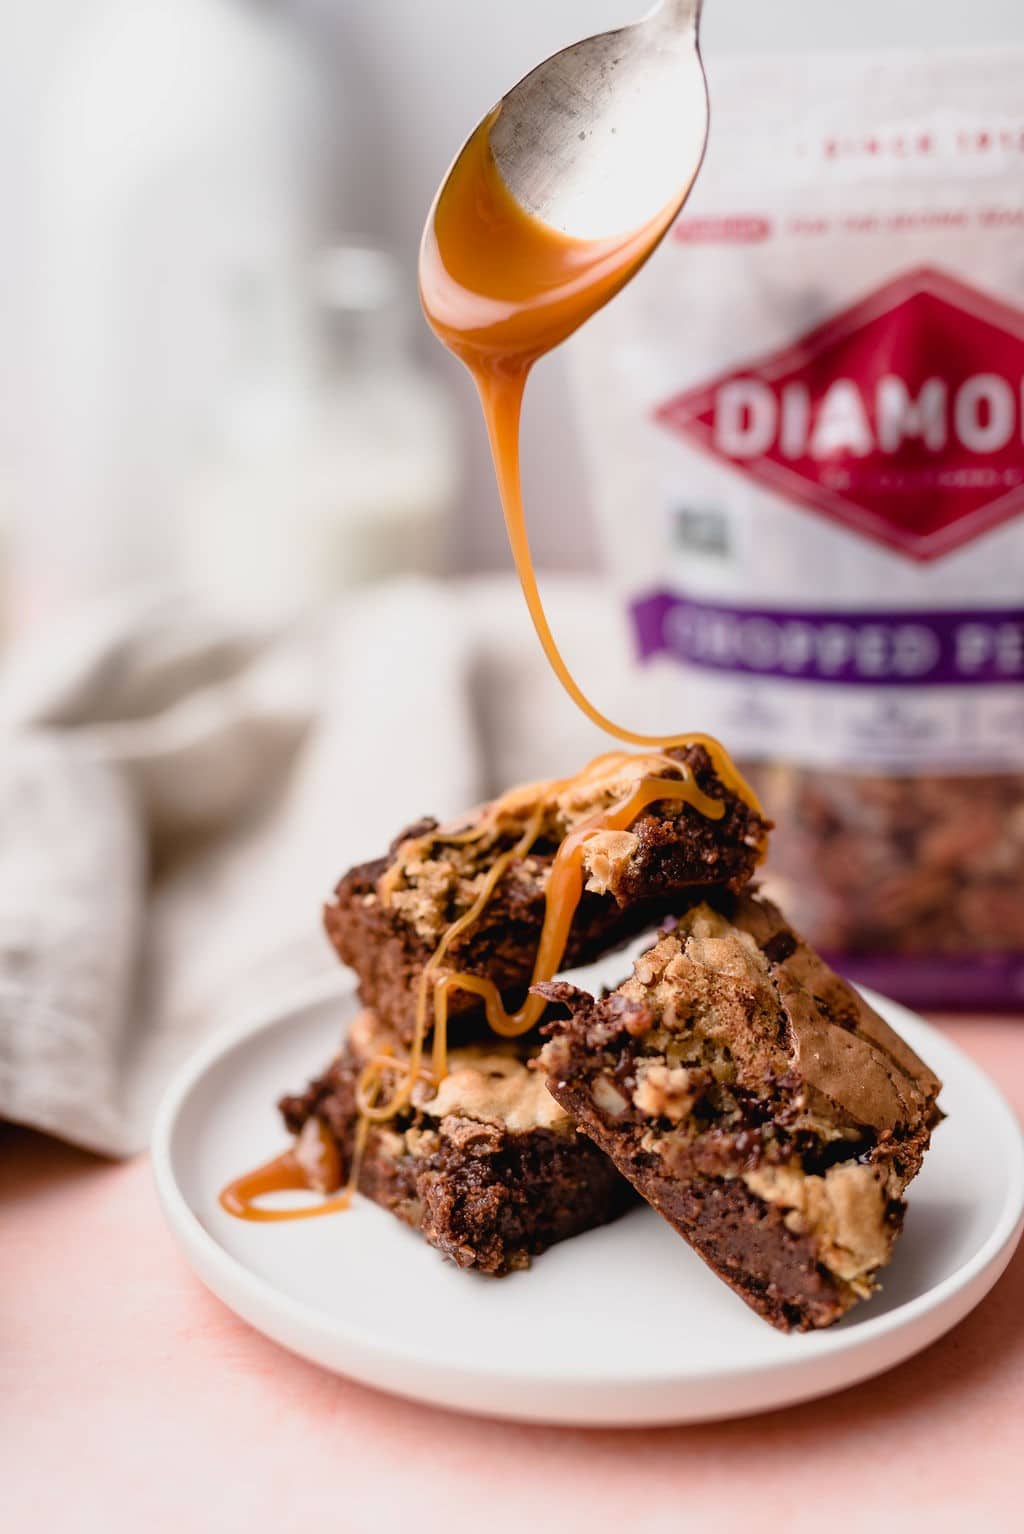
(805, 426)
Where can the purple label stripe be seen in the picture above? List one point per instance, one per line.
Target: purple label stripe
(973, 983)
(881, 649)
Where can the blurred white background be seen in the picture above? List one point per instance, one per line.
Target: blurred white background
(123, 348)
(214, 373)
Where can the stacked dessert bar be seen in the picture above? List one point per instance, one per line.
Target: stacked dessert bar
(732, 1081)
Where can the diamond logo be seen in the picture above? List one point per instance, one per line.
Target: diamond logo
(901, 418)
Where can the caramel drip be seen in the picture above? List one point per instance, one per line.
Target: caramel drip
(310, 1165)
(278, 1176)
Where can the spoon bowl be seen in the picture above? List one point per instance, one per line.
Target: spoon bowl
(607, 135)
(553, 205)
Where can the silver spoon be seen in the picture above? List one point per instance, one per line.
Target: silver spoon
(602, 137)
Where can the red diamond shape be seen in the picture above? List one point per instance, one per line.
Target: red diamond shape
(900, 417)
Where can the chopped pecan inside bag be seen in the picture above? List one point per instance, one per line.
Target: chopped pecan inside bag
(903, 866)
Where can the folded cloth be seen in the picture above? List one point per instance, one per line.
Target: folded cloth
(178, 793)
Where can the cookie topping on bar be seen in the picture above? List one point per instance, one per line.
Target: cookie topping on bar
(779, 1014)
(488, 1082)
(495, 1089)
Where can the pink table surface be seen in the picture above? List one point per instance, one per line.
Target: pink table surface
(131, 1400)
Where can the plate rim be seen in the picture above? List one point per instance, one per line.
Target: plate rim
(206, 1256)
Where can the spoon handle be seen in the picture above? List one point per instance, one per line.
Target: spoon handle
(679, 13)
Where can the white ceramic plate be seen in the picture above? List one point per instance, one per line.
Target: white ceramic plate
(623, 1325)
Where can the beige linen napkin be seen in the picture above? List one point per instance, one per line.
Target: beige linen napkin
(177, 796)
(179, 792)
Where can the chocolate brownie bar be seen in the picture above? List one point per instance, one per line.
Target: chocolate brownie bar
(486, 1166)
(387, 917)
(757, 1102)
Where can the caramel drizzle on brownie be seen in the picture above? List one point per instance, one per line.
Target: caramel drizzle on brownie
(312, 1163)
(561, 899)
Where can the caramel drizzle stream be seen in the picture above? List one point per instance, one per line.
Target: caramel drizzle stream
(501, 288)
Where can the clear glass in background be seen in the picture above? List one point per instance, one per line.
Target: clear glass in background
(334, 464)
(171, 148)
